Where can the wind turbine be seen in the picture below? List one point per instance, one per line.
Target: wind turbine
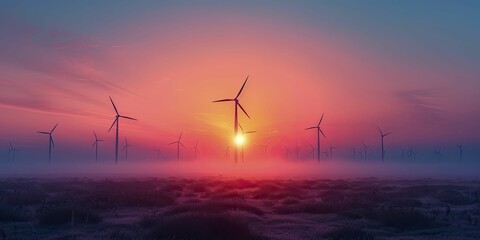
(331, 151)
(12, 150)
(51, 142)
(287, 151)
(158, 153)
(244, 133)
(438, 154)
(365, 149)
(382, 135)
(95, 143)
(126, 149)
(235, 122)
(196, 149)
(178, 142)
(460, 151)
(313, 151)
(318, 135)
(297, 150)
(117, 119)
(226, 152)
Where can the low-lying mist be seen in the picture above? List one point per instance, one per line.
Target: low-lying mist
(273, 168)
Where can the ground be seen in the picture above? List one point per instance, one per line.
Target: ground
(232, 208)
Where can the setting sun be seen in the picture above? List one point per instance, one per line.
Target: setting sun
(240, 139)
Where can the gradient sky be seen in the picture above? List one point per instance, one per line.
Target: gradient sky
(410, 67)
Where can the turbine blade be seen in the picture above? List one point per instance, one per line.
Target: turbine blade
(241, 128)
(321, 119)
(243, 110)
(251, 132)
(387, 134)
(241, 89)
(224, 100)
(116, 119)
(180, 136)
(181, 144)
(95, 135)
(381, 133)
(322, 132)
(128, 118)
(113, 104)
(310, 128)
(54, 128)
(172, 143)
(43, 132)
(93, 145)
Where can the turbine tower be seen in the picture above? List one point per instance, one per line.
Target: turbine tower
(244, 133)
(331, 151)
(297, 150)
(313, 151)
(226, 152)
(365, 149)
(117, 118)
(50, 142)
(158, 150)
(318, 135)
(95, 144)
(126, 149)
(235, 122)
(178, 142)
(382, 135)
(13, 151)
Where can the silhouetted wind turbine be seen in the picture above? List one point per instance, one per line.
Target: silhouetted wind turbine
(313, 151)
(460, 151)
(125, 148)
(95, 143)
(244, 133)
(382, 135)
(51, 142)
(196, 149)
(117, 117)
(226, 152)
(178, 142)
(297, 150)
(158, 153)
(235, 123)
(331, 151)
(318, 135)
(13, 151)
(365, 149)
(438, 154)
(287, 151)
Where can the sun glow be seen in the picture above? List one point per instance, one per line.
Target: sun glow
(239, 139)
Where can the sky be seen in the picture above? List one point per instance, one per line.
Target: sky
(409, 67)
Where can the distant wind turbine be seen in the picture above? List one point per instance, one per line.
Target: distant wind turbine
(235, 123)
(438, 153)
(95, 144)
(226, 152)
(196, 150)
(331, 151)
(125, 148)
(158, 150)
(297, 150)
(460, 151)
(365, 149)
(12, 150)
(382, 135)
(287, 151)
(178, 142)
(117, 119)
(318, 135)
(313, 151)
(51, 142)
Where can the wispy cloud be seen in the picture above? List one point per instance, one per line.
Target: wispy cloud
(422, 103)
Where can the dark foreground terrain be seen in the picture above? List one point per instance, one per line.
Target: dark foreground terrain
(222, 208)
